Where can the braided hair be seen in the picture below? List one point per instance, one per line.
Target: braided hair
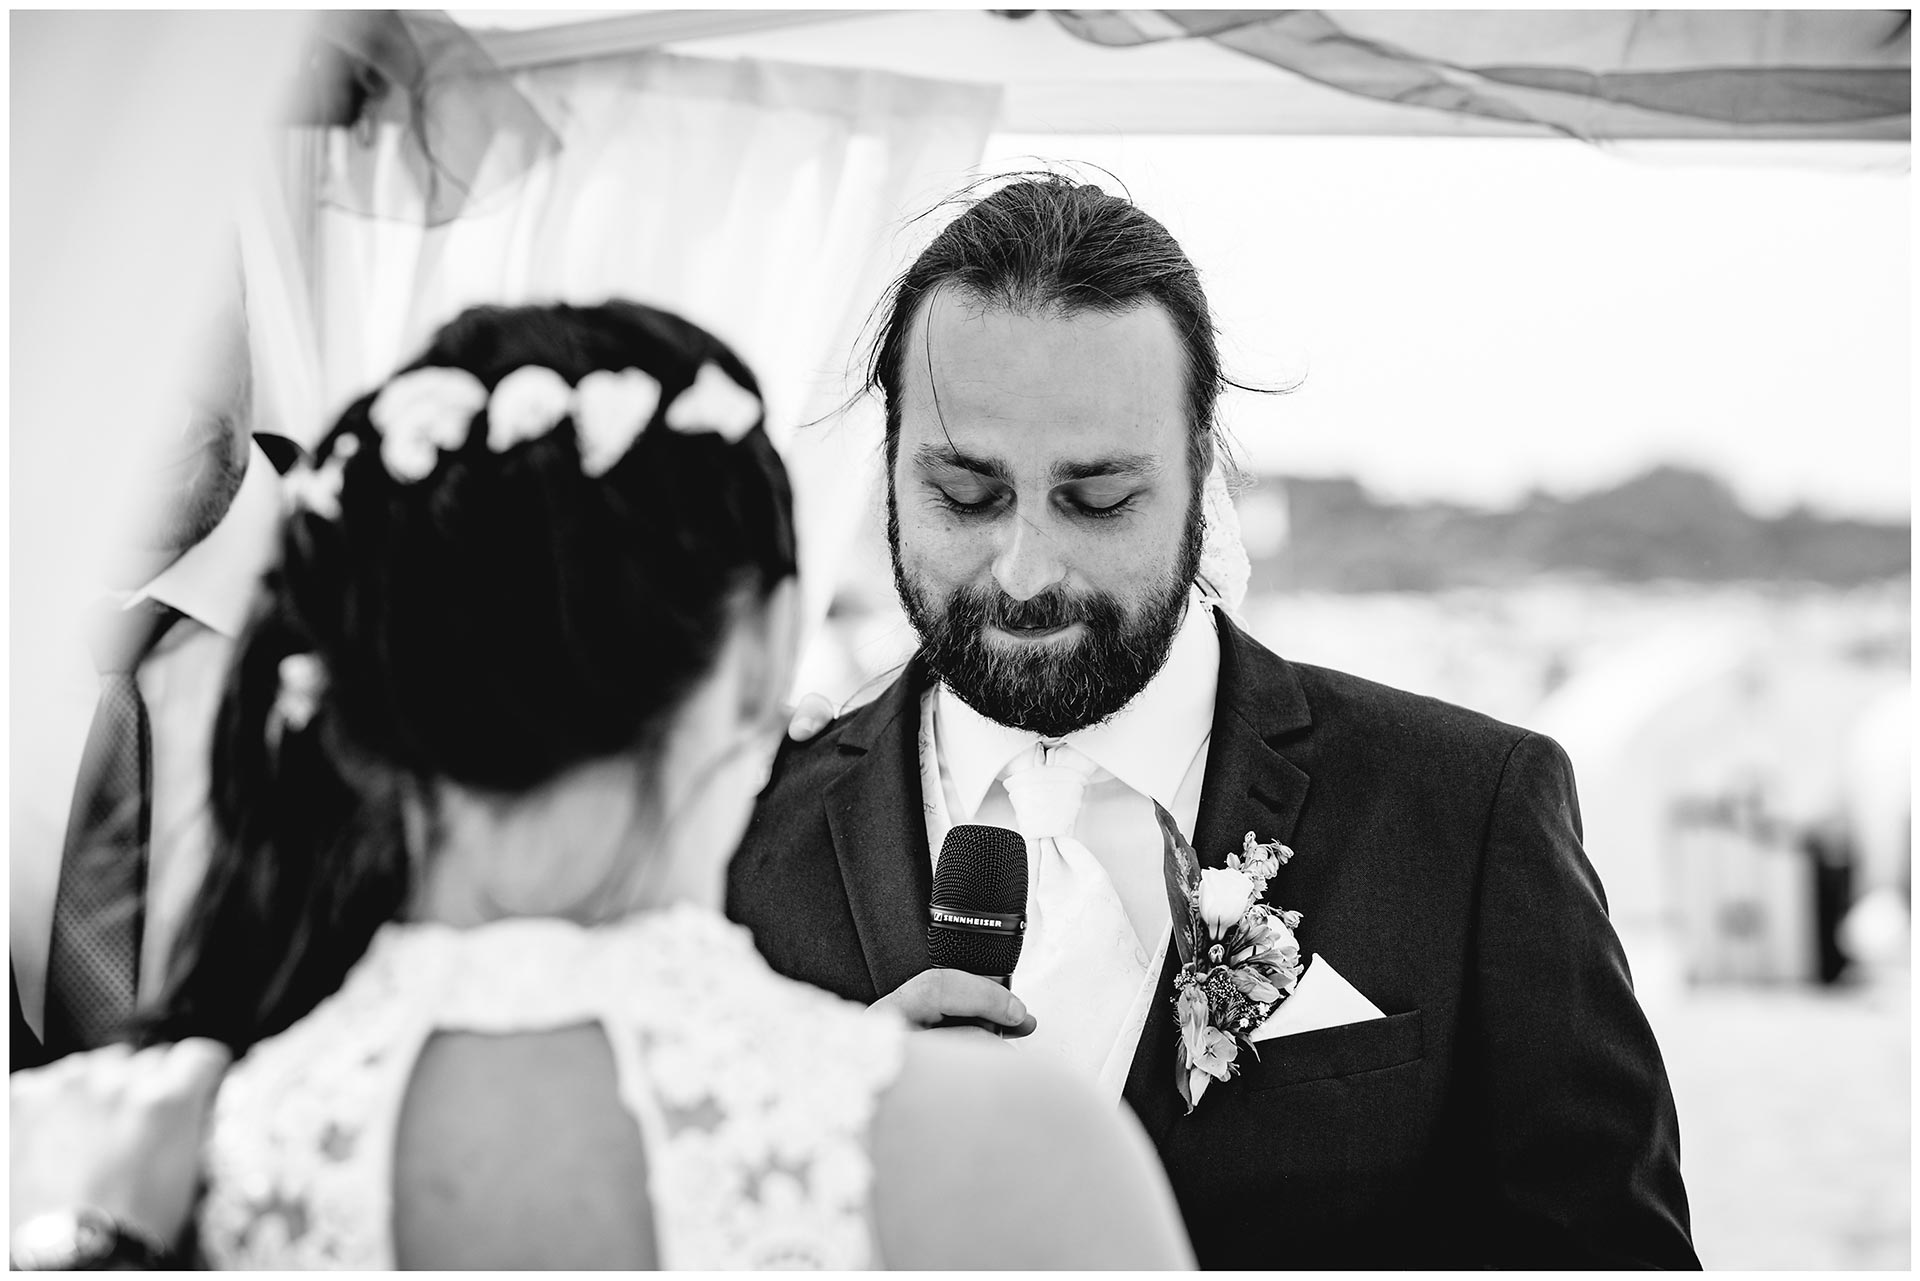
(490, 605)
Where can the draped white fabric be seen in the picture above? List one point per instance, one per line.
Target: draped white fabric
(131, 133)
(768, 203)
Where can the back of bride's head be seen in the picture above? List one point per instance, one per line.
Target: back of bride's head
(518, 556)
(541, 524)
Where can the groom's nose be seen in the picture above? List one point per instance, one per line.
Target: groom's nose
(1028, 561)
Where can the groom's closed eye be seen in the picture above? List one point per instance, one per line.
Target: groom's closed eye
(1102, 501)
(970, 497)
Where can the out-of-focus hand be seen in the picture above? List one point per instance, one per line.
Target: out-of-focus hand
(114, 1130)
(935, 995)
(813, 713)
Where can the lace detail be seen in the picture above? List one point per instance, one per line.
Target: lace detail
(753, 1094)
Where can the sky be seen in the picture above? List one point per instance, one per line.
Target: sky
(1471, 318)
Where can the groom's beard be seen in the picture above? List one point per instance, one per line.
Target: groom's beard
(1050, 690)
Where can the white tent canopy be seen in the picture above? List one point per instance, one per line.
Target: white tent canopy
(447, 180)
(1721, 73)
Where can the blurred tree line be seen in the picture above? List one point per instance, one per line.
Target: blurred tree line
(1670, 523)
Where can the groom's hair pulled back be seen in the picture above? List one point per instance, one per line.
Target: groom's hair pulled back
(1047, 243)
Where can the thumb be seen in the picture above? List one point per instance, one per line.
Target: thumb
(969, 996)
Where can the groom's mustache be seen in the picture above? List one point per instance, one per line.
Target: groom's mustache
(1052, 608)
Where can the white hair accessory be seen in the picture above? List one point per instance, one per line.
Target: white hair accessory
(526, 405)
(426, 410)
(609, 411)
(303, 680)
(715, 403)
(315, 487)
(422, 412)
(1224, 568)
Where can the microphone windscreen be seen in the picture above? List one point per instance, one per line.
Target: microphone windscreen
(983, 872)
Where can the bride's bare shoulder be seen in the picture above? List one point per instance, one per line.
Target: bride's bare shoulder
(986, 1156)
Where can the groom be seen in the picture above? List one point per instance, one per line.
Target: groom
(1472, 1082)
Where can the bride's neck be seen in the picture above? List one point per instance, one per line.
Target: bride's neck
(584, 847)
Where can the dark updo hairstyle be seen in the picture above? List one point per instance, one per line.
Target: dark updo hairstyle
(502, 619)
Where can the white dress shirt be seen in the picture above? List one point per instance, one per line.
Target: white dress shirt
(181, 681)
(1153, 749)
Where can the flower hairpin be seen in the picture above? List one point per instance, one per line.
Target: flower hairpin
(423, 411)
(715, 403)
(303, 682)
(609, 410)
(525, 405)
(315, 486)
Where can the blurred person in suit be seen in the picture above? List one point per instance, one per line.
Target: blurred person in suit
(109, 823)
(1479, 1086)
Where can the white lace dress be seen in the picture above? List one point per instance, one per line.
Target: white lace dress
(753, 1094)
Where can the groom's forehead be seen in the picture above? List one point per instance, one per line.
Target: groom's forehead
(1082, 387)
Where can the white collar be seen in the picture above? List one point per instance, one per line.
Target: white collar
(214, 580)
(1148, 744)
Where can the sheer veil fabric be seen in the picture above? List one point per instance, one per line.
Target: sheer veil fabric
(768, 203)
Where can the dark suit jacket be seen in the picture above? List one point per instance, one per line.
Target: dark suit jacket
(1511, 1109)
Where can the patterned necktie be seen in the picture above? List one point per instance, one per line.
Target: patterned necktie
(93, 963)
(1081, 965)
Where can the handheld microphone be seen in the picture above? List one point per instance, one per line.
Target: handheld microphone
(978, 917)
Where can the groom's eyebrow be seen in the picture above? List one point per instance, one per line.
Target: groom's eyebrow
(1120, 466)
(929, 456)
(1123, 466)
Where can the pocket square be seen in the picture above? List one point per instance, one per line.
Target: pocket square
(1322, 998)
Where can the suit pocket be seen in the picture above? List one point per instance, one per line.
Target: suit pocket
(1334, 1052)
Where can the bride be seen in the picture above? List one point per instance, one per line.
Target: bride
(496, 726)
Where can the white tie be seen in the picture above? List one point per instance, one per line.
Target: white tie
(1081, 965)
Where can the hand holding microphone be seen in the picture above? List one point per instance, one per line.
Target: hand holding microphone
(943, 998)
(976, 923)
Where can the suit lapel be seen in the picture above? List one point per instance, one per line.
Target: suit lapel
(880, 835)
(1249, 787)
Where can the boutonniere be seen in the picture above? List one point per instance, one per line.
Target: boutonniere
(1238, 956)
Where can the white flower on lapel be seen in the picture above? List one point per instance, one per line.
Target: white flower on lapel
(1260, 860)
(1238, 955)
(422, 412)
(609, 412)
(525, 406)
(715, 403)
(1225, 896)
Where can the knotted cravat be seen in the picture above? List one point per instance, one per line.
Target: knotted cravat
(1082, 965)
(93, 960)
